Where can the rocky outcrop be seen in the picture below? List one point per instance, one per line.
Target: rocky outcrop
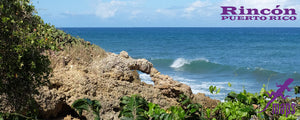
(107, 79)
(121, 66)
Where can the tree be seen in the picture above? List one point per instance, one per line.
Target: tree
(23, 41)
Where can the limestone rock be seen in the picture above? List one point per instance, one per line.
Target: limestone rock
(124, 54)
(204, 100)
(107, 80)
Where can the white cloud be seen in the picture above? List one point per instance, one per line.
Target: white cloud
(198, 8)
(135, 13)
(194, 6)
(68, 13)
(110, 9)
(167, 12)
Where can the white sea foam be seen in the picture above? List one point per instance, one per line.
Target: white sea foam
(146, 78)
(203, 59)
(196, 88)
(182, 79)
(179, 62)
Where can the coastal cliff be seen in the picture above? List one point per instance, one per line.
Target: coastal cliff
(82, 70)
(87, 71)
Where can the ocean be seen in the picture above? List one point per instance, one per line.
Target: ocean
(200, 57)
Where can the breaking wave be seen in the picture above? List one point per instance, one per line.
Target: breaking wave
(205, 66)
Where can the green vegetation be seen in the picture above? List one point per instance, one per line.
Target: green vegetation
(14, 116)
(25, 42)
(214, 90)
(137, 108)
(242, 106)
(246, 105)
(23, 66)
(133, 107)
(192, 110)
(297, 89)
(229, 84)
(86, 104)
(235, 108)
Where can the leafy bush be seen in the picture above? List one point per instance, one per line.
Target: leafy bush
(246, 105)
(133, 107)
(155, 112)
(23, 66)
(234, 110)
(86, 104)
(192, 110)
(25, 41)
(137, 108)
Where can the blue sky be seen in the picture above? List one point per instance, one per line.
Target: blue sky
(154, 13)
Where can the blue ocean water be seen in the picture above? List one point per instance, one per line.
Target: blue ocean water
(200, 57)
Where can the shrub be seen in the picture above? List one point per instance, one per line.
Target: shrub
(133, 107)
(137, 108)
(23, 67)
(25, 41)
(241, 106)
(86, 104)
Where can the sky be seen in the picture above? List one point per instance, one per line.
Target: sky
(155, 13)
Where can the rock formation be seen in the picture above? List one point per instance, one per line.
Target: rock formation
(106, 78)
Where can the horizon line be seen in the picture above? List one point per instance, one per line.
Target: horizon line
(177, 27)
